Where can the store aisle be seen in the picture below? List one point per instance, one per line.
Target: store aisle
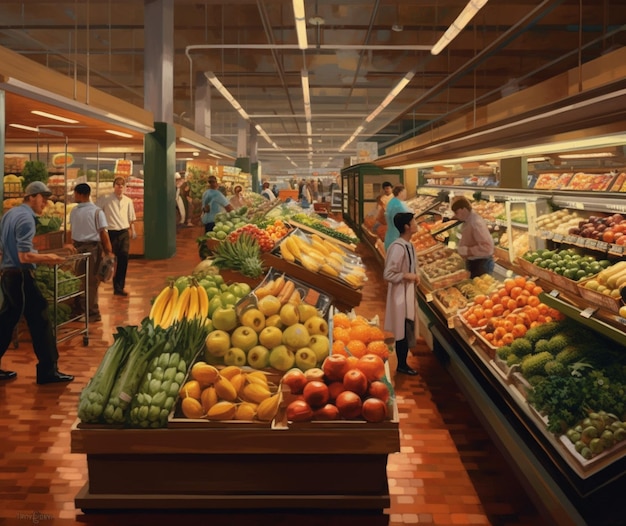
(448, 472)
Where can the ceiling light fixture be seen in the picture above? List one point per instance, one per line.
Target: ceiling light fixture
(24, 127)
(306, 94)
(120, 134)
(589, 155)
(226, 94)
(472, 7)
(54, 117)
(395, 91)
(299, 15)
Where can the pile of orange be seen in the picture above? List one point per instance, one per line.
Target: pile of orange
(357, 337)
(509, 312)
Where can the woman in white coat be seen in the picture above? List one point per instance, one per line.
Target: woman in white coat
(402, 278)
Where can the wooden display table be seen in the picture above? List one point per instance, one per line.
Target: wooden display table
(340, 466)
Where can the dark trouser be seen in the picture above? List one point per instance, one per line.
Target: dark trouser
(22, 295)
(120, 242)
(95, 250)
(478, 267)
(208, 227)
(402, 352)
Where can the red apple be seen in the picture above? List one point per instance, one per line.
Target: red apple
(334, 367)
(334, 388)
(328, 412)
(355, 381)
(349, 404)
(372, 365)
(299, 411)
(315, 393)
(379, 390)
(374, 410)
(295, 380)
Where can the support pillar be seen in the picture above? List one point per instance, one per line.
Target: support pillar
(202, 106)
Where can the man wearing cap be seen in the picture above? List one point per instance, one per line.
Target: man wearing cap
(89, 234)
(21, 295)
(120, 216)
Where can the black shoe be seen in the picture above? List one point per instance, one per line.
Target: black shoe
(7, 375)
(54, 378)
(407, 370)
(120, 293)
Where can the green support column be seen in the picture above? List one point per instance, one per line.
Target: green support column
(160, 192)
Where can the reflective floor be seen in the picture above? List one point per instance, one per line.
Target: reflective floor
(447, 473)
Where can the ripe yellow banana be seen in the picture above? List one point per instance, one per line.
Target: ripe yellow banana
(329, 270)
(320, 247)
(159, 305)
(203, 300)
(168, 312)
(293, 247)
(286, 254)
(193, 305)
(180, 309)
(312, 265)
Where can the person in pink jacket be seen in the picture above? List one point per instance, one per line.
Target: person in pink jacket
(401, 276)
(475, 244)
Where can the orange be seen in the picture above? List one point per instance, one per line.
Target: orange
(530, 285)
(379, 348)
(507, 338)
(338, 348)
(533, 301)
(487, 304)
(356, 348)
(376, 333)
(509, 283)
(537, 290)
(519, 330)
(360, 332)
(520, 281)
(515, 292)
(341, 320)
(480, 299)
(341, 334)
(488, 313)
(359, 320)
(498, 309)
(521, 301)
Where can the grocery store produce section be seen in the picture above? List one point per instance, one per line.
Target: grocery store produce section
(540, 346)
(257, 375)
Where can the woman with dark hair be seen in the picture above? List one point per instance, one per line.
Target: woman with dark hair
(401, 276)
(395, 206)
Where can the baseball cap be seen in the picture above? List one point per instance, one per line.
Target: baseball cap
(37, 187)
(177, 176)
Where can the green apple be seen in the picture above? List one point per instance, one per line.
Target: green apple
(296, 336)
(214, 303)
(224, 318)
(236, 290)
(259, 357)
(305, 359)
(270, 337)
(282, 358)
(235, 356)
(219, 279)
(213, 291)
(228, 298)
(244, 337)
(289, 314)
(217, 343)
(320, 345)
(316, 325)
(245, 289)
(253, 318)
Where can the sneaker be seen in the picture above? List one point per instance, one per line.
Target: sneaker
(7, 375)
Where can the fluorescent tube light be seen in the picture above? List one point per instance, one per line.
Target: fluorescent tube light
(472, 7)
(590, 155)
(24, 127)
(226, 94)
(53, 116)
(119, 134)
(299, 15)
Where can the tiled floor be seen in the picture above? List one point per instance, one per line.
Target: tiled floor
(447, 473)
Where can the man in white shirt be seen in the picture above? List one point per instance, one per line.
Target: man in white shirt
(89, 234)
(267, 192)
(120, 216)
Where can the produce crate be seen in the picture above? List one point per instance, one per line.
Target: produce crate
(565, 284)
(317, 297)
(49, 241)
(344, 295)
(445, 281)
(501, 254)
(597, 298)
(534, 270)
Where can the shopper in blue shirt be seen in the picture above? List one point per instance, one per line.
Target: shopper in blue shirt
(20, 292)
(213, 202)
(395, 206)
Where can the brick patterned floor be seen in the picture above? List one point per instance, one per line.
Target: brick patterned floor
(447, 473)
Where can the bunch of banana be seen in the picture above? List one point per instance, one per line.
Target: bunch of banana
(320, 255)
(170, 306)
(228, 394)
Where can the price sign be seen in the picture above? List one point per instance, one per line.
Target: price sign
(591, 243)
(492, 198)
(429, 297)
(602, 245)
(557, 237)
(571, 239)
(617, 250)
(554, 293)
(451, 323)
(471, 339)
(588, 312)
